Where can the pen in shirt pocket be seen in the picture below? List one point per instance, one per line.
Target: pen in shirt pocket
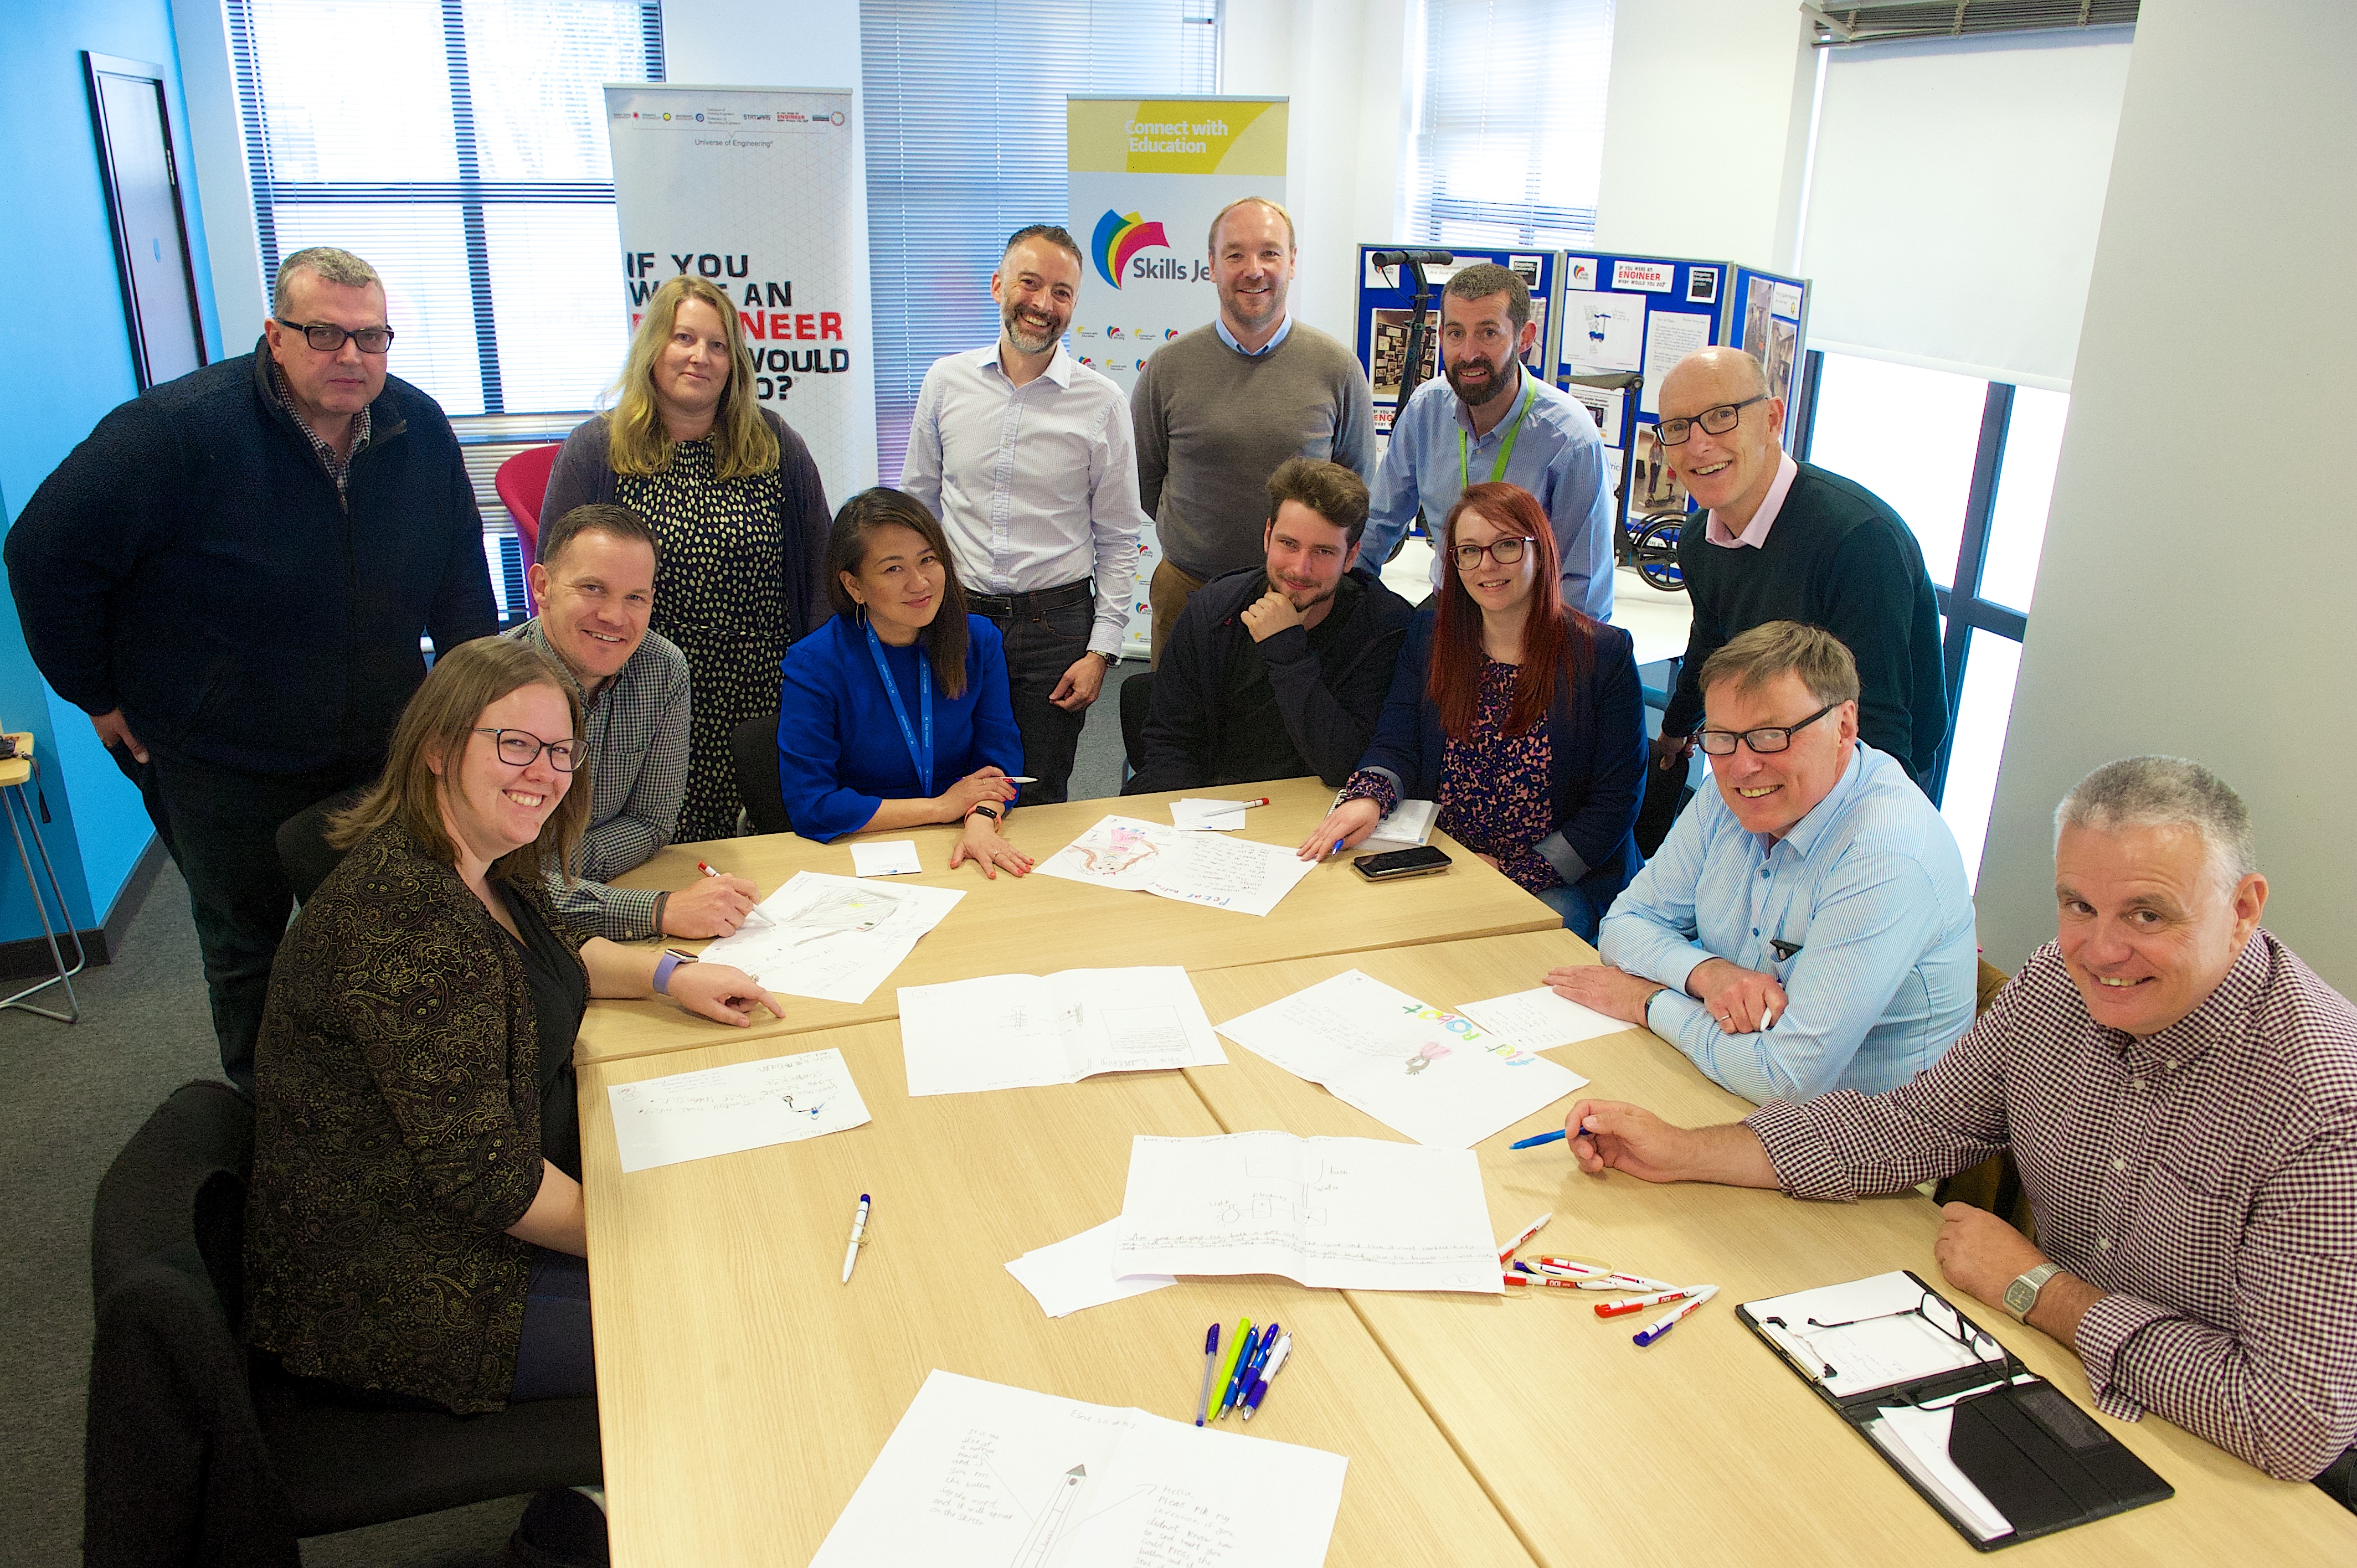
(1784, 952)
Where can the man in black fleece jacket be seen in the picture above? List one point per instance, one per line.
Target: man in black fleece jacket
(230, 576)
(1280, 669)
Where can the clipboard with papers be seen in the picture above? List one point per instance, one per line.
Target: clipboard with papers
(2001, 1453)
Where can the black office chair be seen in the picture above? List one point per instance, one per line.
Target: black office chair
(753, 751)
(1136, 703)
(195, 1453)
(303, 852)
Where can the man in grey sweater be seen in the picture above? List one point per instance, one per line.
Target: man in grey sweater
(1219, 408)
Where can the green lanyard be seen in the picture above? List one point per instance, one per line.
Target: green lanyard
(1505, 447)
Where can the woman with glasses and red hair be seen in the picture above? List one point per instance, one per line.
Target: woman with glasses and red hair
(1520, 717)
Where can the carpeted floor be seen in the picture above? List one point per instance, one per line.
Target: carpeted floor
(75, 1094)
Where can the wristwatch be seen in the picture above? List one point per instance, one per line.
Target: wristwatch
(1111, 658)
(671, 959)
(2021, 1295)
(981, 810)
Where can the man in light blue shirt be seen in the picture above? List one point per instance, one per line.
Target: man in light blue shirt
(1807, 928)
(1492, 419)
(1026, 457)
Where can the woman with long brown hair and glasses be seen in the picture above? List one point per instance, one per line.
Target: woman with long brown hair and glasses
(1520, 717)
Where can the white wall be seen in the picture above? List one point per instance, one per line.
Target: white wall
(1706, 129)
(1342, 64)
(2194, 593)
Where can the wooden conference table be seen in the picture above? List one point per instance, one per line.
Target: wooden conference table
(745, 1391)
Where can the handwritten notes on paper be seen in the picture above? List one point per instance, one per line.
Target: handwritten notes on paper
(1207, 868)
(1011, 1031)
(1539, 1019)
(1882, 1341)
(1079, 1271)
(834, 937)
(1347, 1213)
(724, 1110)
(978, 1473)
(1440, 1077)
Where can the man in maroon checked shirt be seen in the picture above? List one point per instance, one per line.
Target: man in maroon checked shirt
(2181, 1094)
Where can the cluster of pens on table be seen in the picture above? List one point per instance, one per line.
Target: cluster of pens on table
(1563, 1273)
(1238, 1379)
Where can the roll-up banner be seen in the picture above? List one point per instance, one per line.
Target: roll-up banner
(752, 189)
(1146, 175)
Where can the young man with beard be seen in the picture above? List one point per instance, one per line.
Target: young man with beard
(1489, 420)
(1024, 454)
(1281, 669)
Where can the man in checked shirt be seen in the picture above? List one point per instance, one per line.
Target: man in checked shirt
(2181, 1094)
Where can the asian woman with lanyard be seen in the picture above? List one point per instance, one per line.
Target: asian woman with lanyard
(896, 711)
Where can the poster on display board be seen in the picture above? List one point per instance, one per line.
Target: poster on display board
(752, 189)
(1386, 307)
(1645, 314)
(1145, 178)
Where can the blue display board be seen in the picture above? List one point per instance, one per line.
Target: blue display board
(1643, 314)
(1386, 303)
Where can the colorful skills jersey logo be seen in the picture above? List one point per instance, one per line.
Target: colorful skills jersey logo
(1120, 236)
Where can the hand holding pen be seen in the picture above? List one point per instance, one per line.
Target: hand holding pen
(1345, 826)
(713, 906)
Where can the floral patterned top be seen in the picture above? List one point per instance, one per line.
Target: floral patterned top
(1496, 794)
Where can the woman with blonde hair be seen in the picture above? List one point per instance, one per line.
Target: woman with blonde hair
(414, 1224)
(737, 508)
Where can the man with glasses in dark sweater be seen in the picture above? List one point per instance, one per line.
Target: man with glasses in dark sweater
(1785, 540)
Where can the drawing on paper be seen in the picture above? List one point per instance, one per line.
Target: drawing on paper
(837, 911)
(804, 1109)
(1425, 1055)
(1033, 1553)
(1124, 848)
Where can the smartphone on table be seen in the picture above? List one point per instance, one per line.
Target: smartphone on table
(1394, 865)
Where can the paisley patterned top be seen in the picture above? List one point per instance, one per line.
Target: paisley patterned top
(719, 597)
(397, 1133)
(1496, 796)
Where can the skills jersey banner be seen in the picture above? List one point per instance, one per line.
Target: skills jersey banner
(1145, 177)
(752, 189)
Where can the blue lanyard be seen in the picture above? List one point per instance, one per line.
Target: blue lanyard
(922, 758)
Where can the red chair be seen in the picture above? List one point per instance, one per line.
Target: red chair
(522, 484)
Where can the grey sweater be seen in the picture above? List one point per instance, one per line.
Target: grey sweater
(1212, 425)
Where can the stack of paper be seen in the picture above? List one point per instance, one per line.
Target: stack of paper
(886, 857)
(1206, 868)
(722, 1109)
(1348, 1213)
(1078, 1272)
(834, 937)
(1437, 1076)
(1409, 823)
(1540, 1020)
(1208, 816)
(1010, 1031)
(981, 1474)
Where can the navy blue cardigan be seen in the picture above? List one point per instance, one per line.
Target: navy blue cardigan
(191, 564)
(1596, 746)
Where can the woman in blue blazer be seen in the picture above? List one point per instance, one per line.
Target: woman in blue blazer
(896, 711)
(1518, 714)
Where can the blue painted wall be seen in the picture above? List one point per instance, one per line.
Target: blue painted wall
(65, 360)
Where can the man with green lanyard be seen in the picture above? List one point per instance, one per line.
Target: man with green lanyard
(1490, 419)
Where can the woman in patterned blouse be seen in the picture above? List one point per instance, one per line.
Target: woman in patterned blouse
(414, 1225)
(738, 507)
(1520, 717)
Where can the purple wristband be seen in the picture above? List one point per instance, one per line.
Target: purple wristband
(664, 966)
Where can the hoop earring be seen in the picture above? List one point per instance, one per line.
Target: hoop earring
(859, 613)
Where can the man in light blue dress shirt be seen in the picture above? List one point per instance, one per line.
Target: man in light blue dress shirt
(1492, 419)
(1807, 926)
(1026, 458)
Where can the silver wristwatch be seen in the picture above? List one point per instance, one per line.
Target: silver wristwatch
(2021, 1295)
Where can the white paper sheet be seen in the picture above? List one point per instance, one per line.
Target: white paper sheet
(1346, 1213)
(978, 1475)
(1604, 332)
(1893, 1345)
(1918, 1439)
(834, 937)
(1539, 1020)
(1437, 1076)
(1211, 869)
(1670, 336)
(1406, 825)
(1201, 815)
(1011, 1031)
(1078, 1272)
(893, 858)
(724, 1110)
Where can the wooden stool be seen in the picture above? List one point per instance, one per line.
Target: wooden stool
(16, 772)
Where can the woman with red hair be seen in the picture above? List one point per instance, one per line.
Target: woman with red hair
(1519, 716)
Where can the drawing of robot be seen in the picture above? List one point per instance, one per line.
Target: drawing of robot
(1041, 1541)
(1427, 1054)
(1127, 847)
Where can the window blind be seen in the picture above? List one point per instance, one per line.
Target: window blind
(964, 107)
(460, 147)
(1508, 141)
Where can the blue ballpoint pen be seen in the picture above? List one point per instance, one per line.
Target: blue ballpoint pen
(1211, 1357)
(1247, 1368)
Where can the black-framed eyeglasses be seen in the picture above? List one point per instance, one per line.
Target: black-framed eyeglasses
(1937, 1313)
(1766, 738)
(328, 338)
(1504, 551)
(1715, 421)
(517, 748)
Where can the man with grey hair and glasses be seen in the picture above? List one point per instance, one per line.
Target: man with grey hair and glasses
(1807, 926)
(2179, 1091)
(231, 576)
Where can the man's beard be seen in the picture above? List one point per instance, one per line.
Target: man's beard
(1019, 334)
(1278, 586)
(1488, 388)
